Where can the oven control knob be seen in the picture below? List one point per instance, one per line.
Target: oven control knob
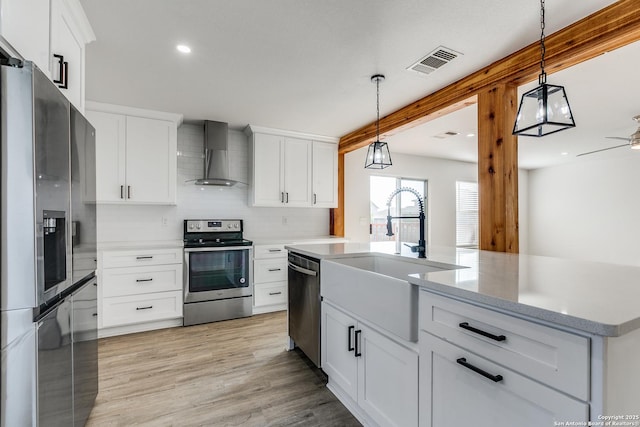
(229, 226)
(191, 226)
(235, 225)
(242, 280)
(198, 226)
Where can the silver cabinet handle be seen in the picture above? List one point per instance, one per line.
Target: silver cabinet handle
(122, 191)
(275, 250)
(144, 257)
(275, 293)
(128, 191)
(150, 279)
(144, 308)
(275, 269)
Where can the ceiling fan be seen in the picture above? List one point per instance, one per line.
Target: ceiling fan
(633, 141)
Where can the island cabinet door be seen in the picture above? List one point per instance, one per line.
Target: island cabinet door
(459, 388)
(338, 349)
(388, 380)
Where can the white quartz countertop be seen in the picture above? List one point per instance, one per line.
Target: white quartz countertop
(297, 241)
(147, 244)
(597, 298)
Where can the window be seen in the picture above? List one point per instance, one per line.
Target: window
(403, 204)
(467, 214)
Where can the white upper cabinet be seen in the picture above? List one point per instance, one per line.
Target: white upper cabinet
(136, 154)
(287, 165)
(52, 34)
(325, 174)
(297, 172)
(25, 25)
(267, 171)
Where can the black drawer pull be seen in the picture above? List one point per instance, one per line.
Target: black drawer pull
(275, 269)
(144, 308)
(275, 250)
(357, 352)
(495, 378)
(145, 257)
(144, 280)
(349, 343)
(275, 293)
(465, 325)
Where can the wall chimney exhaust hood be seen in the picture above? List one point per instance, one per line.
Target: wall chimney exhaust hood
(216, 155)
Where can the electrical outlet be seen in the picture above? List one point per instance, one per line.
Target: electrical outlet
(284, 220)
(165, 221)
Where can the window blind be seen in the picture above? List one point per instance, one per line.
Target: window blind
(466, 214)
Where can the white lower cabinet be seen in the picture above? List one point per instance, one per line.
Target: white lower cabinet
(269, 278)
(480, 367)
(140, 289)
(373, 375)
(463, 389)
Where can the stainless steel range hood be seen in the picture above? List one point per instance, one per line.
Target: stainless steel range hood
(216, 155)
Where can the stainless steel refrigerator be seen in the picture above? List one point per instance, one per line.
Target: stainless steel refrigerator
(48, 293)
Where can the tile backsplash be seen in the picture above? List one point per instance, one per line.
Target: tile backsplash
(153, 223)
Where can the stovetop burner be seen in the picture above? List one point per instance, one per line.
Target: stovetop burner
(209, 233)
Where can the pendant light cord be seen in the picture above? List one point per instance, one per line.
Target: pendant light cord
(543, 76)
(378, 109)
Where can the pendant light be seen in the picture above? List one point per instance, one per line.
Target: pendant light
(378, 156)
(545, 109)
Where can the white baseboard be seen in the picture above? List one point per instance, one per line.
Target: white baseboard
(269, 308)
(351, 405)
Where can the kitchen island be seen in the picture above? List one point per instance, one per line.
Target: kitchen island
(503, 338)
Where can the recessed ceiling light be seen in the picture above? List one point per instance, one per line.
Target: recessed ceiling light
(183, 48)
(564, 153)
(471, 134)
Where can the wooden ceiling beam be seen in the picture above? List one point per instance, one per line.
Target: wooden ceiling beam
(610, 28)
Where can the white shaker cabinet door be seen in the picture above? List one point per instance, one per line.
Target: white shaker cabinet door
(267, 170)
(151, 160)
(325, 175)
(455, 394)
(67, 42)
(388, 380)
(297, 172)
(110, 155)
(338, 349)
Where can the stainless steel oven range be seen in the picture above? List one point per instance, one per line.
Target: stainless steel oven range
(218, 273)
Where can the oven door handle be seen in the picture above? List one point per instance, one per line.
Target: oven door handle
(218, 249)
(302, 270)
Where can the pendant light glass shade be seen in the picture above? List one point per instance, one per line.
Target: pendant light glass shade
(378, 156)
(543, 111)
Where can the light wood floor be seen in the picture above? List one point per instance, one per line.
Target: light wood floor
(231, 373)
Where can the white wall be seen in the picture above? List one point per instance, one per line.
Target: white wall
(145, 223)
(441, 176)
(587, 210)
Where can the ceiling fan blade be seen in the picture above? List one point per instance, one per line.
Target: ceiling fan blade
(617, 137)
(603, 149)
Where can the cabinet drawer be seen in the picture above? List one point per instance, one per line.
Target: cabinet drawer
(141, 308)
(269, 251)
(557, 358)
(141, 280)
(269, 270)
(455, 394)
(138, 257)
(269, 293)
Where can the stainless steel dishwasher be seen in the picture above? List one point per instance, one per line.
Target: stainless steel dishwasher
(304, 305)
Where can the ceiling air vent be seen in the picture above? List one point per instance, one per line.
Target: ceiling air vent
(446, 134)
(434, 60)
